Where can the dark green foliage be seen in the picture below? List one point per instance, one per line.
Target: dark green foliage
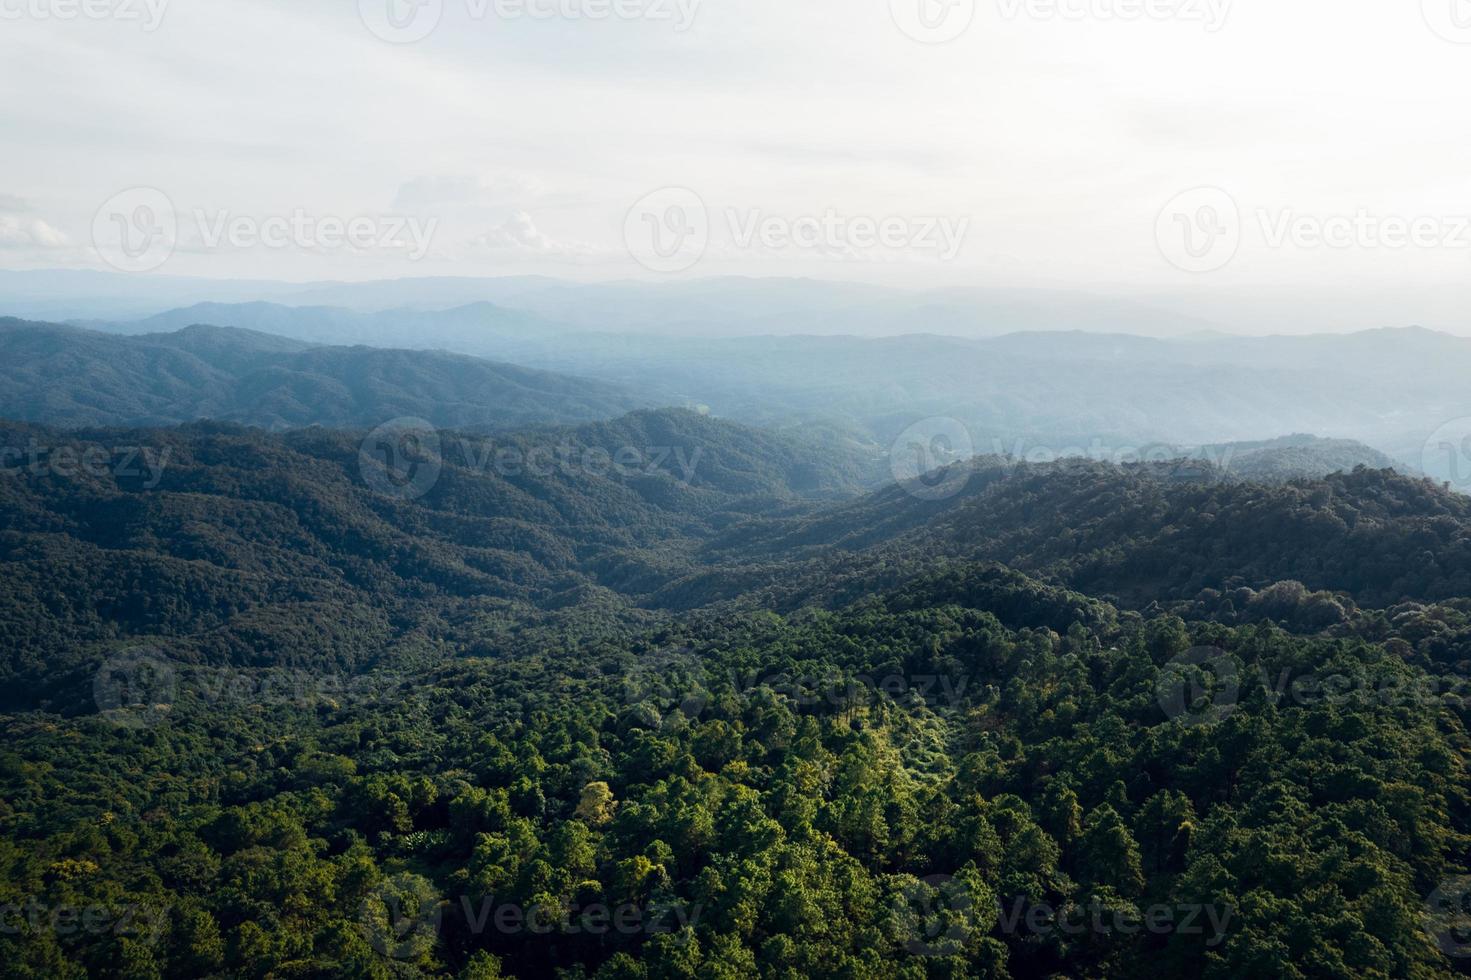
(469, 735)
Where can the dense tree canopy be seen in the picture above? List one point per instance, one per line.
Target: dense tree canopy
(267, 723)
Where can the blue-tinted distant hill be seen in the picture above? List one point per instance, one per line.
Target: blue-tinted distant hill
(67, 376)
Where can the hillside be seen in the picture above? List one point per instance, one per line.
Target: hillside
(299, 549)
(294, 721)
(65, 376)
(1017, 393)
(255, 537)
(1298, 456)
(1138, 535)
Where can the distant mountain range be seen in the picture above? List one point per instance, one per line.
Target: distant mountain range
(66, 376)
(1104, 399)
(697, 308)
(1018, 393)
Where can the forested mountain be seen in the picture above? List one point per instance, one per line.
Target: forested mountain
(1295, 456)
(282, 706)
(1138, 534)
(1016, 393)
(66, 376)
(253, 537)
(299, 549)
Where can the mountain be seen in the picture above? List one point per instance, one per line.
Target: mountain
(1034, 394)
(67, 376)
(473, 328)
(228, 536)
(700, 308)
(1135, 535)
(1297, 456)
(246, 532)
(277, 705)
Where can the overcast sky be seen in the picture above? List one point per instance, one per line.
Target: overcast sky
(1044, 141)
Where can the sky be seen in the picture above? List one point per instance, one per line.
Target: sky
(1242, 151)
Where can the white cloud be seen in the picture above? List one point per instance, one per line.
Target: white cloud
(19, 233)
(519, 233)
(1061, 138)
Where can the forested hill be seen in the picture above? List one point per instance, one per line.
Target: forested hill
(324, 547)
(66, 376)
(1137, 534)
(320, 547)
(324, 704)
